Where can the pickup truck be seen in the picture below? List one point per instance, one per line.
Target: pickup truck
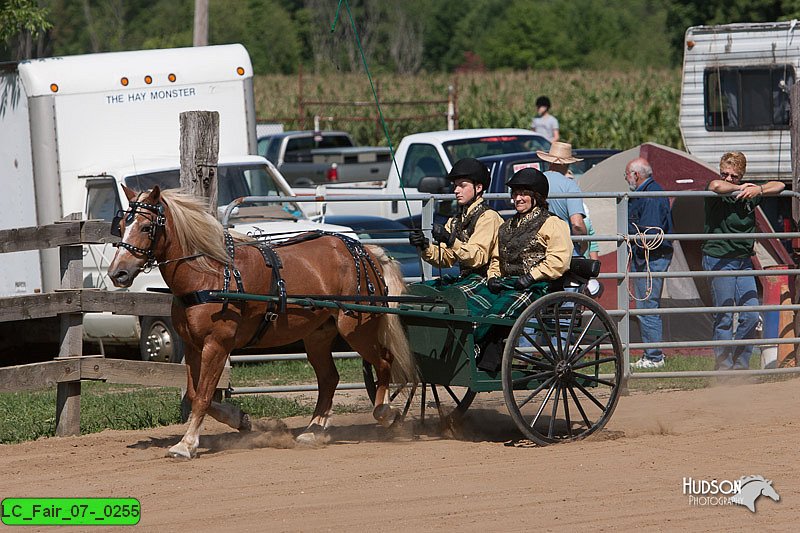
(422, 155)
(309, 158)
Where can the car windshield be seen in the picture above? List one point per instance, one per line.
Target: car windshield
(494, 145)
(234, 181)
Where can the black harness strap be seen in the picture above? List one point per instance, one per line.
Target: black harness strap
(272, 260)
(231, 267)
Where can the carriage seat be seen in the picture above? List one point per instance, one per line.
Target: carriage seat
(581, 270)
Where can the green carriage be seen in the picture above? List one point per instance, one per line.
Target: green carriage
(561, 366)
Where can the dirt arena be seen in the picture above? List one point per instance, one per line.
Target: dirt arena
(627, 477)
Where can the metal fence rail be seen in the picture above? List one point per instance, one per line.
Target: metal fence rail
(622, 314)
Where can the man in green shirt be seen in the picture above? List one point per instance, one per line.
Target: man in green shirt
(729, 215)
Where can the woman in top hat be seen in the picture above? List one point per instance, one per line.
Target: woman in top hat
(469, 238)
(534, 248)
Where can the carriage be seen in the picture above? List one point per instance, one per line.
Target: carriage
(561, 363)
(561, 357)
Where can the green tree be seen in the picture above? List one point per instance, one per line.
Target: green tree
(20, 22)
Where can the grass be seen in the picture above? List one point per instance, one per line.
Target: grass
(30, 415)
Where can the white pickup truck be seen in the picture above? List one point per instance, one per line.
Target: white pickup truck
(421, 155)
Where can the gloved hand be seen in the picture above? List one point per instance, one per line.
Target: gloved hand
(524, 281)
(418, 239)
(494, 284)
(441, 235)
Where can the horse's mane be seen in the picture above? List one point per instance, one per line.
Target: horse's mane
(196, 230)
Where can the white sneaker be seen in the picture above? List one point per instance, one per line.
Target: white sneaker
(645, 363)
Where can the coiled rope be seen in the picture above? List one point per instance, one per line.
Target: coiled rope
(650, 239)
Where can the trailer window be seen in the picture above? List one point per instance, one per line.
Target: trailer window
(747, 98)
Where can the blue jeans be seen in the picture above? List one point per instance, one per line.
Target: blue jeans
(739, 291)
(650, 325)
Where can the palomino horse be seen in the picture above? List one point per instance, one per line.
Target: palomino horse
(175, 232)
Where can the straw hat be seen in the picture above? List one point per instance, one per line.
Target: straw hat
(560, 153)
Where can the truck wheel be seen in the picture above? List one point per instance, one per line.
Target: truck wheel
(159, 341)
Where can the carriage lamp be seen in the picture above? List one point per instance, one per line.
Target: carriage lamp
(124, 81)
(148, 79)
(54, 87)
(240, 71)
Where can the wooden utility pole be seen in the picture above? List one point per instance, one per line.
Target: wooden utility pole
(199, 153)
(200, 23)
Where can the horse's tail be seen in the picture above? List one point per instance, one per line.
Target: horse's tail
(392, 335)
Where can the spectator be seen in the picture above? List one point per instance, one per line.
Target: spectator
(468, 238)
(569, 210)
(648, 256)
(544, 123)
(733, 214)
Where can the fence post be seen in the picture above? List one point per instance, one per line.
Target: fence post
(451, 109)
(199, 152)
(623, 300)
(68, 395)
(794, 132)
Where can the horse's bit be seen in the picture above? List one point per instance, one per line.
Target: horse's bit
(157, 219)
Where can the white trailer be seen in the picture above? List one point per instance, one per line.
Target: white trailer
(62, 115)
(735, 94)
(72, 129)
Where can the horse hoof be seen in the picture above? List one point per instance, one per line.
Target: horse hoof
(314, 435)
(245, 425)
(385, 415)
(180, 451)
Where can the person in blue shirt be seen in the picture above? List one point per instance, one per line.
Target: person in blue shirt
(648, 216)
(570, 210)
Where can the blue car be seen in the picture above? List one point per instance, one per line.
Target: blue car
(371, 227)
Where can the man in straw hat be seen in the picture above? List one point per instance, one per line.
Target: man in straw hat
(468, 239)
(570, 210)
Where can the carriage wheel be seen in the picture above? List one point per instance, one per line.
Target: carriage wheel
(447, 402)
(562, 366)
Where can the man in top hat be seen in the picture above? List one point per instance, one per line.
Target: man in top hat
(469, 238)
(570, 210)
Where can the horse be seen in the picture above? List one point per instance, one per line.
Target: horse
(176, 232)
(751, 488)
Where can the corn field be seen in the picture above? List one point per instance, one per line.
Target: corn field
(595, 109)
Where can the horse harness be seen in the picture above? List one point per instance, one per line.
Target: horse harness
(152, 212)
(155, 214)
(361, 259)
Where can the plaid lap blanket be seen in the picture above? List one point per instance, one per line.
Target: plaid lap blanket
(508, 303)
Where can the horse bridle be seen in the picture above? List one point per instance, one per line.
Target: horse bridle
(158, 221)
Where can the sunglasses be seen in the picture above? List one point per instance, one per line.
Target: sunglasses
(730, 175)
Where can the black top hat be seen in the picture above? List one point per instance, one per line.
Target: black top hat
(471, 169)
(531, 179)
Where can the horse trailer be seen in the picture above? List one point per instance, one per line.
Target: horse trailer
(735, 94)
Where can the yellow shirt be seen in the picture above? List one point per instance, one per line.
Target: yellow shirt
(554, 235)
(479, 250)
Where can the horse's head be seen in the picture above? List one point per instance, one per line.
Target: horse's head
(768, 491)
(140, 228)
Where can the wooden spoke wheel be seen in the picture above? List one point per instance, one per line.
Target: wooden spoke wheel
(446, 402)
(562, 367)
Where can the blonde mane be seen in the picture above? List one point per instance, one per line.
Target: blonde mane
(196, 230)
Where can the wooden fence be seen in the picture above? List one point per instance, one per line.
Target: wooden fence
(70, 367)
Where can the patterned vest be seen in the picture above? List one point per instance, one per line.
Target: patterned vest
(520, 250)
(463, 227)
